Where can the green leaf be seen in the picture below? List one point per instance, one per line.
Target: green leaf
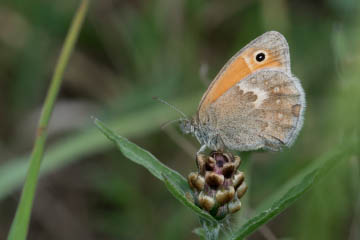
(180, 195)
(291, 192)
(175, 183)
(20, 224)
(89, 141)
(142, 157)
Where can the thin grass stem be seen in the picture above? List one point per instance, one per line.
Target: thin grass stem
(20, 225)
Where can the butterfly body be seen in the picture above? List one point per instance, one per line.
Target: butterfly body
(254, 102)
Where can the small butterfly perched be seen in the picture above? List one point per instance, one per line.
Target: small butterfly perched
(253, 103)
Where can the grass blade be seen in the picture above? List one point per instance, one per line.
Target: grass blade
(176, 183)
(20, 225)
(89, 141)
(142, 157)
(291, 193)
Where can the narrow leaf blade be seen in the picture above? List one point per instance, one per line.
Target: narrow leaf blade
(175, 183)
(20, 225)
(142, 157)
(309, 177)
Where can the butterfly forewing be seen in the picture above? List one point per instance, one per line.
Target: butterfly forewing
(271, 44)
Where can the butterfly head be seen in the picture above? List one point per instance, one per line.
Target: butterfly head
(188, 126)
(203, 134)
(191, 126)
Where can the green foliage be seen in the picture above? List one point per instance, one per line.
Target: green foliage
(20, 225)
(299, 185)
(175, 183)
(130, 51)
(88, 142)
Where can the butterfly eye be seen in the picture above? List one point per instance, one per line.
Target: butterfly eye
(260, 56)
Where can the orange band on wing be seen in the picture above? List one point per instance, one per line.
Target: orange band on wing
(237, 70)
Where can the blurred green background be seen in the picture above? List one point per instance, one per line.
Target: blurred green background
(130, 51)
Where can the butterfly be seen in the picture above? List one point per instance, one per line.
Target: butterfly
(254, 102)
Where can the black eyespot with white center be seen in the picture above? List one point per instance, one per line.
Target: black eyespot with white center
(260, 56)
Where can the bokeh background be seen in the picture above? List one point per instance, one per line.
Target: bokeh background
(130, 51)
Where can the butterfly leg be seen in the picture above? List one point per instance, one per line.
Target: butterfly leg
(202, 149)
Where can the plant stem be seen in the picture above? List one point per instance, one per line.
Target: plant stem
(20, 225)
(211, 230)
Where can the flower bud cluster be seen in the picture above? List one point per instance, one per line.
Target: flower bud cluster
(218, 185)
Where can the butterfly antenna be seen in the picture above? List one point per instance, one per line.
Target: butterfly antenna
(172, 106)
(164, 125)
